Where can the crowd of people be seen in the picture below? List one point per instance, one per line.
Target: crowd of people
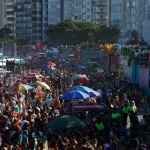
(25, 114)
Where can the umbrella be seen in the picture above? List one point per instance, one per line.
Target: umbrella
(51, 64)
(88, 107)
(21, 87)
(99, 73)
(65, 122)
(33, 76)
(80, 67)
(84, 89)
(97, 70)
(48, 68)
(4, 71)
(76, 76)
(43, 84)
(82, 80)
(94, 93)
(75, 95)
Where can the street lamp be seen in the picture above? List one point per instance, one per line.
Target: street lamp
(3, 47)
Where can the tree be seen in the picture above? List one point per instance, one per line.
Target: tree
(20, 41)
(6, 35)
(69, 32)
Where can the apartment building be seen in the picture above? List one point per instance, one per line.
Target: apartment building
(11, 15)
(31, 20)
(90, 10)
(23, 10)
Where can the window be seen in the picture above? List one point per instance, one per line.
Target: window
(88, 9)
(10, 12)
(10, 7)
(27, 6)
(76, 17)
(148, 16)
(94, 2)
(101, 16)
(148, 8)
(144, 16)
(88, 16)
(102, 9)
(88, 2)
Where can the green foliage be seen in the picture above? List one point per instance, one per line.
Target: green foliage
(6, 35)
(70, 32)
(127, 53)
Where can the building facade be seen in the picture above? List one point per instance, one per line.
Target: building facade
(126, 15)
(90, 10)
(11, 15)
(132, 17)
(24, 20)
(144, 20)
(2, 13)
(117, 15)
(31, 20)
(59, 10)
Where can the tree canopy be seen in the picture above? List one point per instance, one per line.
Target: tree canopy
(70, 32)
(6, 35)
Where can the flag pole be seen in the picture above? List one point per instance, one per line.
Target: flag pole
(2, 54)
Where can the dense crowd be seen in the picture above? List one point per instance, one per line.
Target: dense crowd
(25, 114)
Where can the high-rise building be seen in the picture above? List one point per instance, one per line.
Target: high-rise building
(144, 20)
(90, 10)
(11, 15)
(44, 19)
(131, 17)
(31, 20)
(117, 16)
(116, 13)
(2, 13)
(59, 10)
(24, 20)
(125, 15)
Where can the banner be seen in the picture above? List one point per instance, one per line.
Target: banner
(114, 62)
(127, 72)
(143, 77)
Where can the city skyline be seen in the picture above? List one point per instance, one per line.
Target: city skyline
(29, 19)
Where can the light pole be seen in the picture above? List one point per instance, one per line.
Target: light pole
(130, 3)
